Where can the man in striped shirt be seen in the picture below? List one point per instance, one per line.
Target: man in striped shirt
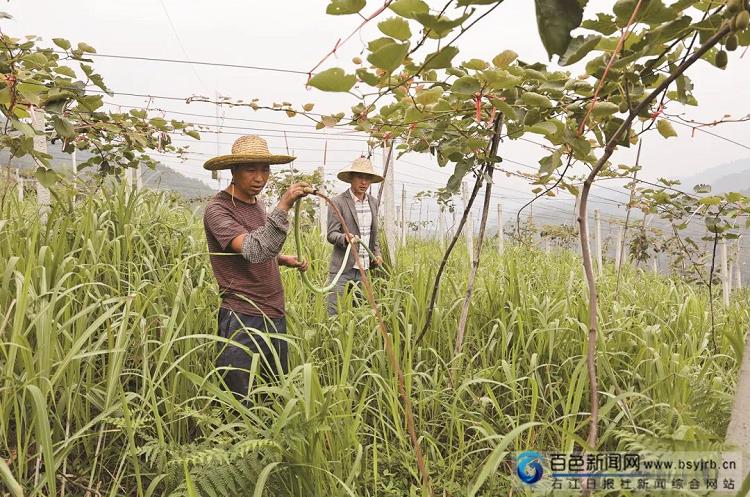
(244, 244)
(360, 213)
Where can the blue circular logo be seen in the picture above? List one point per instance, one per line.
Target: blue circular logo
(529, 467)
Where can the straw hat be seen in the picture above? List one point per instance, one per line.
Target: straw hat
(250, 149)
(360, 165)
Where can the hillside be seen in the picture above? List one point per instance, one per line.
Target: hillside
(161, 178)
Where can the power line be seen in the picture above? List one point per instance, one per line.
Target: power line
(198, 63)
(182, 47)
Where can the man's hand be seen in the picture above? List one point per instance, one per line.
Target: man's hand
(292, 261)
(352, 238)
(378, 262)
(295, 191)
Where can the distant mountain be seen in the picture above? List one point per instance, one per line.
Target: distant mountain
(166, 178)
(729, 177)
(161, 178)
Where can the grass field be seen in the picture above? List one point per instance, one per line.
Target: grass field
(107, 344)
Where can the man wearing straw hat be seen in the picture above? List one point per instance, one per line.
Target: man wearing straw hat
(360, 213)
(244, 244)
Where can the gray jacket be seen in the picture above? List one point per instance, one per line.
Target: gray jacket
(335, 234)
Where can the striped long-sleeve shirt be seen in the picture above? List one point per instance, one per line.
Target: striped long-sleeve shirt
(249, 282)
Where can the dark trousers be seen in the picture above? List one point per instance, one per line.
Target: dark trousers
(251, 332)
(347, 281)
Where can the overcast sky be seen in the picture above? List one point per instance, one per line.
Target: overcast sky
(295, 35)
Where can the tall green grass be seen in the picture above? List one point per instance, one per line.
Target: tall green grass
(107, 345)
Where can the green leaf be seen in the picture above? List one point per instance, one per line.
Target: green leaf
(344, 7)
(495, 458)
(546, 128)
(504, 58)
(475, 64)
(536, 100)
(702, 188)
(381, 42)
(460, 170)
(550, 163)
(37, 58)
(578, 48)
(5, 97)
(65, 71)
(62, 43)
(409, 8)
(367, 77)
(93, 102)
(427, 97)
(466, 85)
(666, 128)
(440, 26)
(604, 24)
(555, 20)
(603, 109)
(31, 92)
(395, 27)
(192, 133)
(158, 122)
(263, 476)
(389, 57)
(333, 79)
(504, 107)
(63, 127)
(24, 128)
(86, 48)
(47, 177)
(441, 59)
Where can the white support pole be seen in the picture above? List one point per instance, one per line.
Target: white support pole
(40, 145)
(737, 275)
(655, 268)
(598, 242)
(19, 184)
(322, 209)
(500, 228)
(138, 180)
(618, 243)
(129, 177)
(389, 212)
(469, 229)
(547, 245)
(576, 222)
(441, 227)
(724, 272)
(403, 222)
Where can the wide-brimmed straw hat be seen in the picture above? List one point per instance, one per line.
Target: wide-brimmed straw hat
(250, 149)
(360, 165)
